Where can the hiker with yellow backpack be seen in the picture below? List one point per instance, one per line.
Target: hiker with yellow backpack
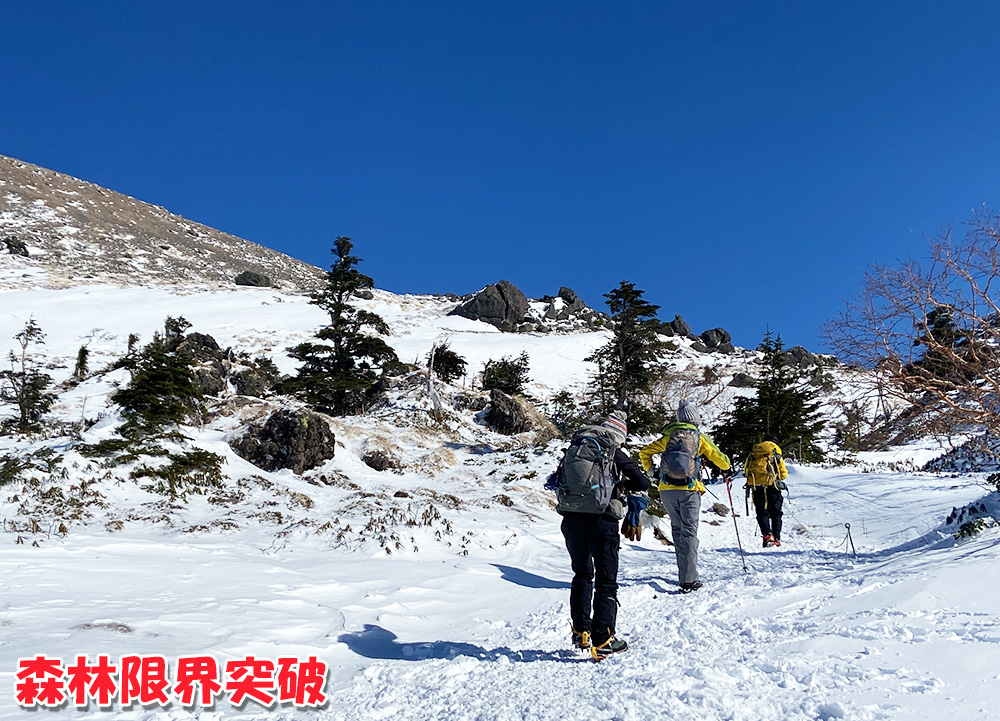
(766, 473)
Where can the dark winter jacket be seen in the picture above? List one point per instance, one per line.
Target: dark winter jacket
(628, 476)
(629, 472)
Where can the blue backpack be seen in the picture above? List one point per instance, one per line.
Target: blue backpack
(679, 462)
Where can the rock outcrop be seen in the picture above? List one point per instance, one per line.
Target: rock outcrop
(253, 278)
(15, 246)
(501, 305)
(506, 415)
(718, 339)
(293, 439)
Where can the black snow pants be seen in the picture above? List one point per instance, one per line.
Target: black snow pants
(593, 543)
(767, 502)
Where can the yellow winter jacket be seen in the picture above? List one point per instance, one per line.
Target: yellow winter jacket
(765, 465)
(706, 448)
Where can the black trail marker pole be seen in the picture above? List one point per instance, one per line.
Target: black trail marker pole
(848, 527)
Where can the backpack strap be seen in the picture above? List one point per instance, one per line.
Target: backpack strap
(600, 454)
(698, 465)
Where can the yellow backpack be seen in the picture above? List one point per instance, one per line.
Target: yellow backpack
(762, 466)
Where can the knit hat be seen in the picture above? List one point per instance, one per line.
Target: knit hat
(615, 422)
(687, 412)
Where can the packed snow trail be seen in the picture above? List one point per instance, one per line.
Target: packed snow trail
(808, 633)
(908, 630)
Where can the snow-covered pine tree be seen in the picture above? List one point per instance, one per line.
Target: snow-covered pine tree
(784, 407)
(447, 365)
(339, 375)
(25, 385)
(628, 363)
(507, 374)
(161, 395)
(162, 392)
(82, 364)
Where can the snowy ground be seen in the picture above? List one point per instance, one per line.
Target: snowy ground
(907, 630)
(810, 632)
(467, 618)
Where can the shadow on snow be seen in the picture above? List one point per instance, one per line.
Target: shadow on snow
(378, 643)
(526, 579)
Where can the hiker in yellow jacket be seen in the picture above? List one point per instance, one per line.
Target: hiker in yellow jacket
(765, 471)
(680, 448)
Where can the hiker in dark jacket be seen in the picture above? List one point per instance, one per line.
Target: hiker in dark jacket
(592, 541)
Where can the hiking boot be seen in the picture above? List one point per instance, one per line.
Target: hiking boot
(612, 645)
(581, 639)
(688, 587)
(777, 542)
(769, 541)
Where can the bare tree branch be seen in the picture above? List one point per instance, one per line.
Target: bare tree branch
(931, 331)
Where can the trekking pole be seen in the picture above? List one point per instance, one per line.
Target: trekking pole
(706, 479)
(736, 526)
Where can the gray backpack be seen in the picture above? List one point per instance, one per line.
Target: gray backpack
(679, 461)
(586, 473)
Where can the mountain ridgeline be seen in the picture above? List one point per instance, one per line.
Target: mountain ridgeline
(76, 233)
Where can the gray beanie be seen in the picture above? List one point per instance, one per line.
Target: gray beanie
(687, 412)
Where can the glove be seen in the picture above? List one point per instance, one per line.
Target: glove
(636, 504)
(552, 482)
(632, 527)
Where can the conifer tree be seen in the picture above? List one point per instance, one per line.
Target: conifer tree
(339, 375)
(162, 392)
(509, 375)
(784, 408)
(25, 384)
(951, 353)
(161, 395)
(445, 363)
(82, 363)
(628, 363)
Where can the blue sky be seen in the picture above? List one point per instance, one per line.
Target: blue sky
(740, 162)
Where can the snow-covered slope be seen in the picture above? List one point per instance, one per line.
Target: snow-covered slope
(441, 590)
